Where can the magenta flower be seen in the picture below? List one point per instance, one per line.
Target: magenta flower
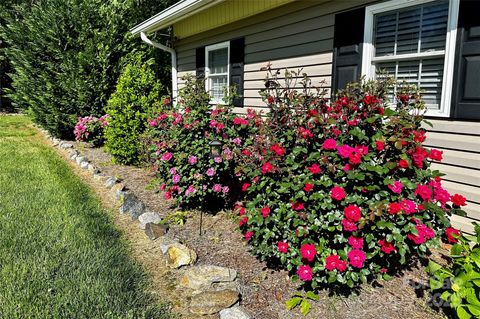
(225, 189)
(217, 188)
(396, 187)
(176, 179)
(210, 172)
(217, 159)
(192, 160)
(167, 156)
(237, 141)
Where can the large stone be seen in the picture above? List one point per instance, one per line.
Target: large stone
(210, 302)
(166, 243)
(84, 165)
(236, 312)
(155, 231)
(66, 145)
(205, 276)
(132, 205)
(80, 159)
(91, 168)
(117, 187)
(148, 217)
(179, 255)
(99, 176)
(110, 182)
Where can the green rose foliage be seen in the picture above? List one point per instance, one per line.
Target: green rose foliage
(459, 283)
(187, 169)
(340, 192)
(137, 96)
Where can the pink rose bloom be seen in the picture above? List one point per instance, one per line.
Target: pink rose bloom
(396, 187)
(217, 188)
(424, 192)
(265, 211)
(225, 189)
(176, 179)
(305, 273)
(442, 195)
(348, 225)
(337, 193)
(190, 190)
(192, 160)
(210, 172)
(217, 159)
(334, 262)
(173, 170)
(237, 141)
(408, 206)
(248, 235)
(152, 123)
(330, 144)
(167, 156)
(345, 151)
(356, 258)
(355, 242)
(346, 168)
(308, 252)
(168, 195)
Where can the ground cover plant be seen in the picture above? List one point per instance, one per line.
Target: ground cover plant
(60, 254)
(340, 192)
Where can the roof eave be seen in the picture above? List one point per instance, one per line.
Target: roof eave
(173, 14)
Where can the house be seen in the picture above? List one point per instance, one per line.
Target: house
(432, 43)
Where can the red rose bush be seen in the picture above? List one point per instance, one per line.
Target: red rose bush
(340, 192)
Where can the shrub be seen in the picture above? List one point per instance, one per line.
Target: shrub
(90, 129)
(341, 192)
(137, 96)
(459, 282)
(66, 55)
(185, 167)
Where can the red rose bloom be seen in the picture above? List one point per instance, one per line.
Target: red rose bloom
(243, 221)
(308, 187)
(305, 133)
(305, 273)
(386, 247)
(245, 186)
(380, 145)
(419, 136)
(452, 234)
(458, 200)
(352, 213)
(248, 235)
(277, 149)
(394, 208)
(330, 144)
(424, 191)
(355, 242)
(435, 155)
(240, 121)
(315, 169)
(297, 206)
(270, 99)
(246, 152)
(334, 262)
(356, 258)
(267, 167)
(348, 225)
(241, 211)
(308, 252)
(337, 193)
(403, 163)
(282, 247)
(265, 211)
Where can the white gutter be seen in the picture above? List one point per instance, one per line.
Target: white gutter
(174, 61)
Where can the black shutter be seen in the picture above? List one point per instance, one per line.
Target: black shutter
(347, 42)
(237, 54)
(466, 83)
(200, 62)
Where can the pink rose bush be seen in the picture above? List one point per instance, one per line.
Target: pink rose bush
(90, 129)
(347, 184)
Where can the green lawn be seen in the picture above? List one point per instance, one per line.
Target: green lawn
(60, 254)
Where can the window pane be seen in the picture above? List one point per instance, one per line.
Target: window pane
(218, 61)
(217, 85)
(427, 74)
(411, 30)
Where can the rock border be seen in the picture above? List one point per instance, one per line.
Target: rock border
(216, 286)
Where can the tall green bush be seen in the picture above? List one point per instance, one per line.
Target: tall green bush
(136, 97)
(67, 55)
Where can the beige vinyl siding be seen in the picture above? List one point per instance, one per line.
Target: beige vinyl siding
(296, 35)
(460, 143)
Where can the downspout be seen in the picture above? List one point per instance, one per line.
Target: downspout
(174, 61)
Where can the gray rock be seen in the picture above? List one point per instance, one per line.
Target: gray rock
(119, 195)
(110, 182)
(236, 312)
(166, 243)
(148, 217)
(211, 302)
(84, 165)
(98, 176)
(80, 159)
(154, 231)
(66, 145)
(92, 168)
(179, 255)
(204, 277)
(73, 156)
(117, 187)
(132, 205)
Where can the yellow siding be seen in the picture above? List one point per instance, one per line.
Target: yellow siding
(222, 14)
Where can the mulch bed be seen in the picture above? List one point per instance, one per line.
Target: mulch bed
(264, 291)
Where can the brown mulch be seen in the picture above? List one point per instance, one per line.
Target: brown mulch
(264, 291)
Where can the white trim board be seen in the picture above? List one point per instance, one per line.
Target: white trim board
(368, 69)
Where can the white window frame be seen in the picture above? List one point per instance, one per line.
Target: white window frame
(214, 47)
(368, 68)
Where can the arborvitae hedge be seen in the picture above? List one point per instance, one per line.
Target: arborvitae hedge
(67, 55)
